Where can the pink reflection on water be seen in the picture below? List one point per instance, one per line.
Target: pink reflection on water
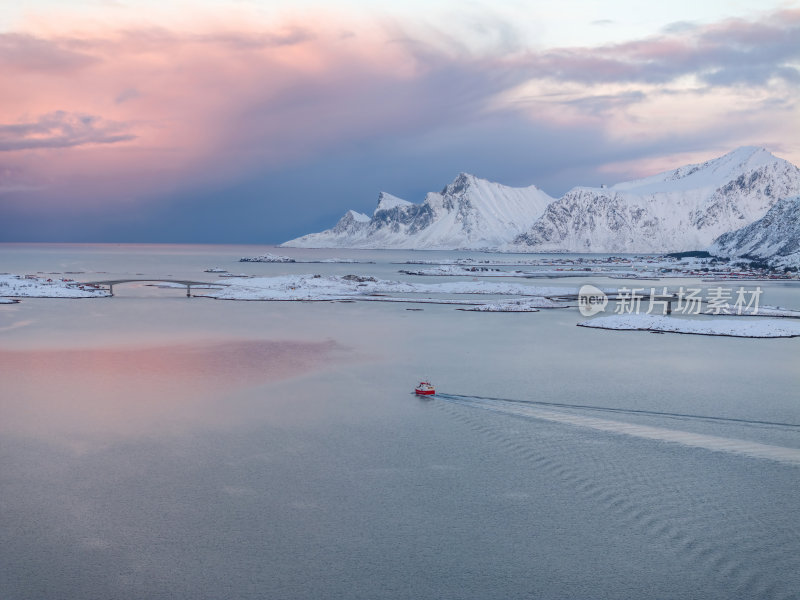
(146, 389)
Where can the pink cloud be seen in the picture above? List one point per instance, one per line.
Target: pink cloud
(119, 116)
(157, 104)
(24, 53)
(160, 106)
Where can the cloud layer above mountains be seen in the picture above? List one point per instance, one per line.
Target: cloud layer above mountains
(259, 130)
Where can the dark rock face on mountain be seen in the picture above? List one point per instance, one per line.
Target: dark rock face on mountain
(774, 238)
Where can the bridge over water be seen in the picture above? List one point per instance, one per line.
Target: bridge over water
(185, 282)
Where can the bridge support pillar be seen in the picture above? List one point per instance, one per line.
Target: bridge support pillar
(188, 291)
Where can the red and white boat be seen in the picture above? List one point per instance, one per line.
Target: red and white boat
(424, 389)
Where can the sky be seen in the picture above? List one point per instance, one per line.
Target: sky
(253, 121)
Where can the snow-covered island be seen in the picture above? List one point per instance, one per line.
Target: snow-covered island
(321, 288)
(37, 286)
(268, 257)
(725, 326)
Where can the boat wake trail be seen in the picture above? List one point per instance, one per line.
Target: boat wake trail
(629, 411)
(729, 527)
(544, 411)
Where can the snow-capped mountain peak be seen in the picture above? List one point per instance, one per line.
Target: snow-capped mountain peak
(709, 174)
(682, 209)
(388, 202)
(357, 216)
(351, 223)
(460, 184)
(469, 212)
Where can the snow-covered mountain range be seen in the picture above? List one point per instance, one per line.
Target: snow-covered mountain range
(468, 213)
(774, 238)
(683, 209)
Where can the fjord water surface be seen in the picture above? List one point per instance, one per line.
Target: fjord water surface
(155, 446)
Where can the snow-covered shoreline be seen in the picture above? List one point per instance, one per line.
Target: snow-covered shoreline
(318, 287)
(306, 287)
(716, 326)
(506, 297)
(35, 286)
(546, 273)
(533, 304)
(462, 271)
(763, 311)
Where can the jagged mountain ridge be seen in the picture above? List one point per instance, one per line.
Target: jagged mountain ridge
(774, 238)
(468, 213)
(683, 209)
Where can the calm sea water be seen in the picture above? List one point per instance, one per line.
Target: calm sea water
(154, 446)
